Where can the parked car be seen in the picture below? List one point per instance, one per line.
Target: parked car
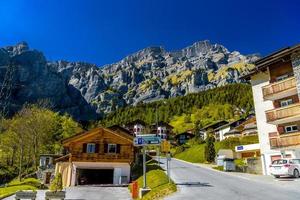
(285, 167)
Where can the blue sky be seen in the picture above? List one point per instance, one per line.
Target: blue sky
(104, 32)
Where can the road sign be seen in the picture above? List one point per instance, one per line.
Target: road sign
(146, 140)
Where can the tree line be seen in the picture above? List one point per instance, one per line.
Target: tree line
(230, 99)
(32, 131)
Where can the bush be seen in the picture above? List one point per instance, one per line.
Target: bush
(29, 181)
(56, 184)
(7, 174)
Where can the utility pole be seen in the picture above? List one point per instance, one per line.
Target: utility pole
(156, 119)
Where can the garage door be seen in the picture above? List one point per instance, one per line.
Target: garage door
(95, 176)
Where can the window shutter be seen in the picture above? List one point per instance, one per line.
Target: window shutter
(84, 148)
(97, 148)
(118, 148)
(276, 104)
(280, 129)
(105, 148)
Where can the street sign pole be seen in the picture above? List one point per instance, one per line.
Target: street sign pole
(158, 156)
(144, 167)
(168, 157)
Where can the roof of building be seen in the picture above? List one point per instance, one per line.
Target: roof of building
(230, 124)
(117, 127)
(281, 54)
(233, 132)
(214, 125)
(95, 130)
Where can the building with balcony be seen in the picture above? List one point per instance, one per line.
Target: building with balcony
(162, 129)
(137, 127)
(98, 156)
(276, 89)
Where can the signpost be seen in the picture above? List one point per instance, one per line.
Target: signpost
(144, 141)
(169, 166)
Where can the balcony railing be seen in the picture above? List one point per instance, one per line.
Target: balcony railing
(285, 140)
(284, 114)
(95, 157)
(279, 87)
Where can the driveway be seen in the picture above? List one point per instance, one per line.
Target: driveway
(196, 182)
(91, 193)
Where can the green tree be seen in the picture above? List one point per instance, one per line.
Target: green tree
(210, 148)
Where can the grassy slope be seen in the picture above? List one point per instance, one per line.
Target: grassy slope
(15, 185)
(195, 153)
(158, 181)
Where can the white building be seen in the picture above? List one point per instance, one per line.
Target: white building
(276, 87)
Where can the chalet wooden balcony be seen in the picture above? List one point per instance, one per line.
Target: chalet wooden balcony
(280, 89)
(283, 115)
(285, 140)
(96, 157)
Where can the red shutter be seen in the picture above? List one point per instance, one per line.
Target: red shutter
(84, 148)
(280, 129)
(276, 104)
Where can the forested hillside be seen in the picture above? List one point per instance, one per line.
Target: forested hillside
(190, 111)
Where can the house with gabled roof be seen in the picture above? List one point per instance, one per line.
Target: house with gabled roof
(98, 156)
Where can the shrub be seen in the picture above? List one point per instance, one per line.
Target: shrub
(56, 184)
(210, 152)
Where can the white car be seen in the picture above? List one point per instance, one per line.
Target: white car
(285, 167)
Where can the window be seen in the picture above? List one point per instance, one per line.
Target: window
(279, 162)
(286, 102)
(291, 128)
(282, 77)
(295, 161)
(90, 148)
(112, 148)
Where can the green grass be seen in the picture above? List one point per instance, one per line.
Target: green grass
(15, 185)
(195, 153)
(220, 168)
(157, 180)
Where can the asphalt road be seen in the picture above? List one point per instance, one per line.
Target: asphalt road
(195, 182)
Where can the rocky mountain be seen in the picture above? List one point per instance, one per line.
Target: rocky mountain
(87, 91)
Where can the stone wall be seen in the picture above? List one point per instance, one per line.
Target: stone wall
(254, 166)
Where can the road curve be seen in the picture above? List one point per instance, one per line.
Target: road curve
(195, 182)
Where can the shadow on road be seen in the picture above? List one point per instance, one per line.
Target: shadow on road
(194, 184)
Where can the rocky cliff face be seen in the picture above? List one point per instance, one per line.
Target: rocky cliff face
(87, 91)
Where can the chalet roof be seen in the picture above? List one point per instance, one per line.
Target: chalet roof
(229, 124)
(215, 125)
(117, 127)
(92, 131)
(233, 132)
(281, 54)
